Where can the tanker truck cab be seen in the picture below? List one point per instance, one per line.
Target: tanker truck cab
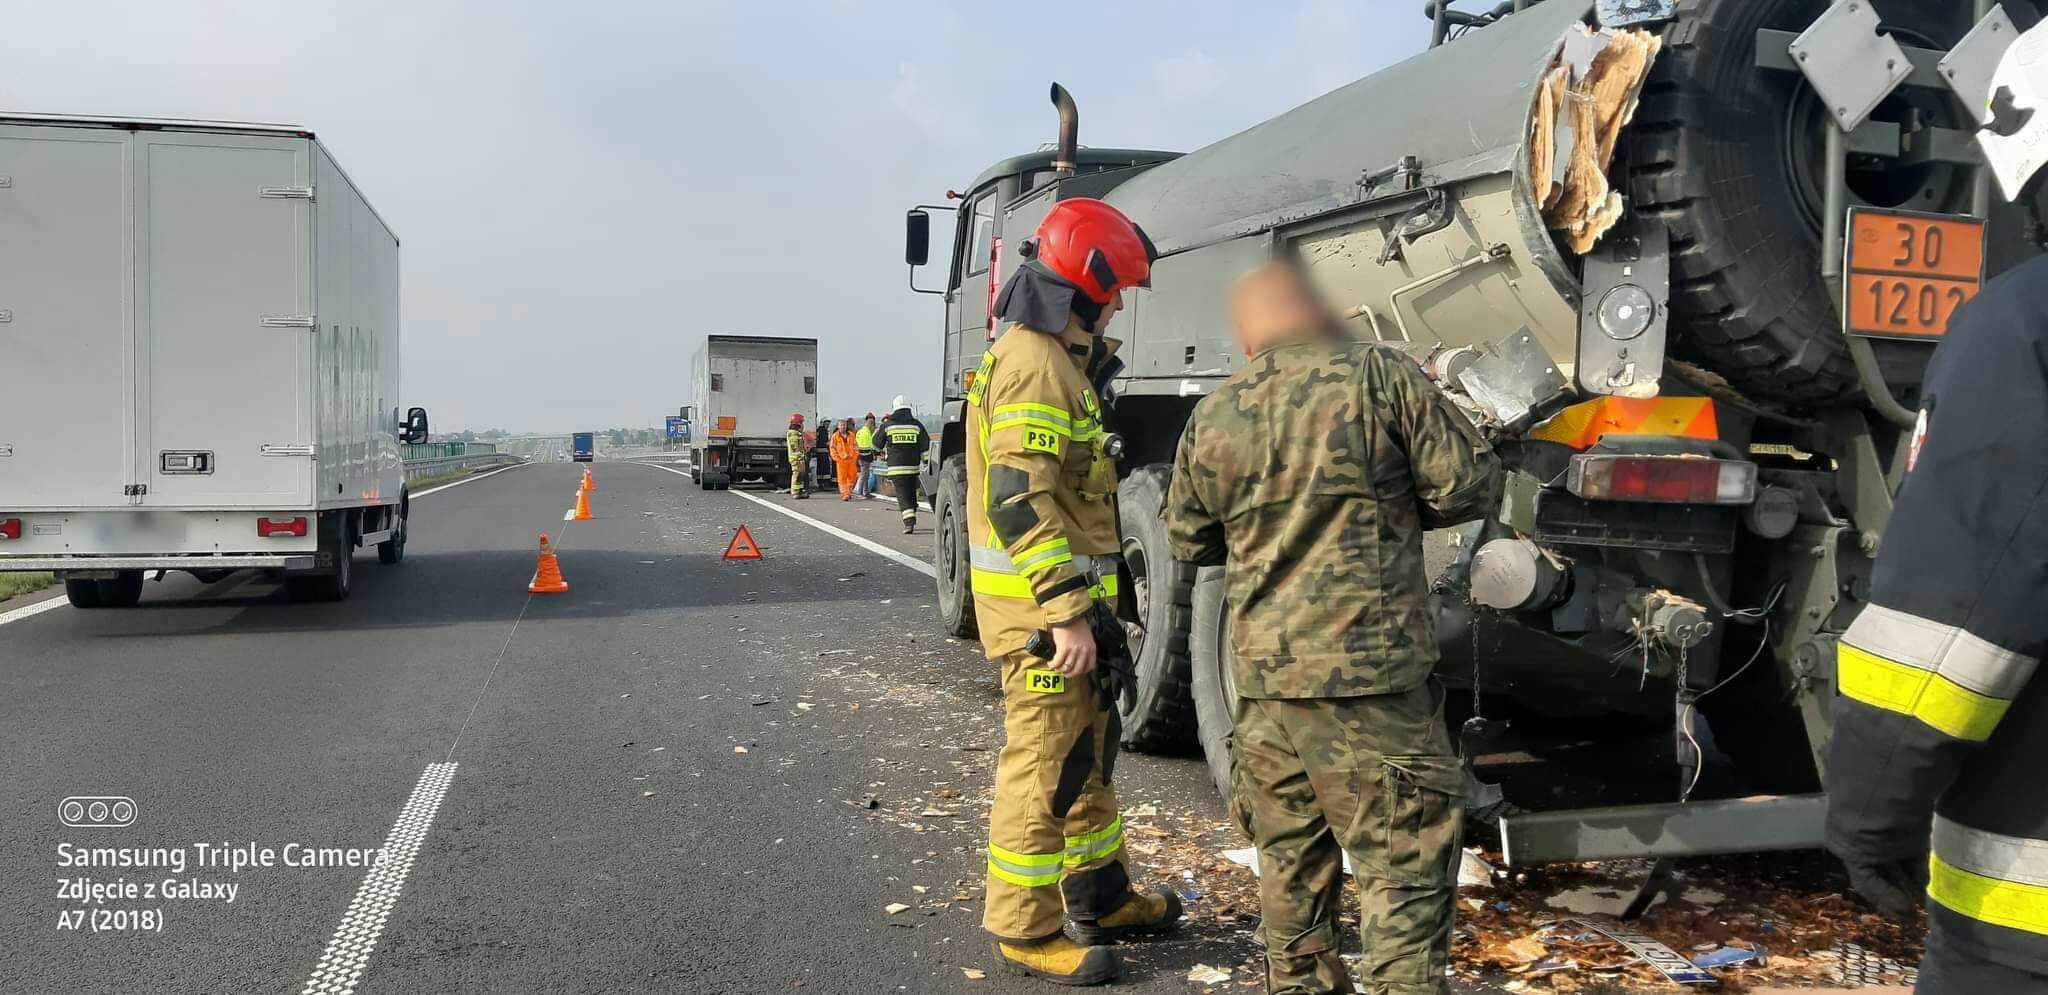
(1684, 264)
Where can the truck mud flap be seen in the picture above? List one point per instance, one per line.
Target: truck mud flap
(1671, 829)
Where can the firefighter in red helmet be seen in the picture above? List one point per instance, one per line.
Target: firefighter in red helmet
(1042, 536)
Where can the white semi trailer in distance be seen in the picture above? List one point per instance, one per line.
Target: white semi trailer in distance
(200, 330)
(743, 389)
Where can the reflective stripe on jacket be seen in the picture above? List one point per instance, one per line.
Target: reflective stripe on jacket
(1940, 729)
(1041, 490)
(903, 442)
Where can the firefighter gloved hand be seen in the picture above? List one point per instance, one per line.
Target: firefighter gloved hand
(1113, 657)
(1894, 888)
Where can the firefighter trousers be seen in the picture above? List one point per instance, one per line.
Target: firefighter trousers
(1055, 838)
(905, 486)
(1947, 970)
(1373, 777)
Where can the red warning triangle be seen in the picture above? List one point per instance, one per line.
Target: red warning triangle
(742, 546)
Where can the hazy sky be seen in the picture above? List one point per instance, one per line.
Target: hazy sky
(584, 190)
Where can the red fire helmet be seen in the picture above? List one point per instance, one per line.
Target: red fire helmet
(1094, 247)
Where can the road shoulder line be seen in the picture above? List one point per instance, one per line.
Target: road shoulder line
(472, 478)
(348, 952)
(833, 530)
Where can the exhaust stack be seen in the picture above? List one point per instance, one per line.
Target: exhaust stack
(1065, 153)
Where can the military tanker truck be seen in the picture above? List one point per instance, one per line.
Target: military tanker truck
(1684, 261)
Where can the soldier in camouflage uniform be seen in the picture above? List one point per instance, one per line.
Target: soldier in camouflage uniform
(1311, 475)
(1042, 537)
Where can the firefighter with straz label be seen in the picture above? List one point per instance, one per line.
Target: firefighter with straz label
(902, 441)
(1042, 534)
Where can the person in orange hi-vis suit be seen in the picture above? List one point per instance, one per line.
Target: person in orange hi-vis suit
(845, 459)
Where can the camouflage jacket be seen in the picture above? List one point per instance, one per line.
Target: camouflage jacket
(1312, 473)
(1041, 489)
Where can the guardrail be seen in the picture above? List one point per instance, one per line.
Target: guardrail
(435, 465)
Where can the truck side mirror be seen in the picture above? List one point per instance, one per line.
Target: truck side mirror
(917, 237)
(414, 431)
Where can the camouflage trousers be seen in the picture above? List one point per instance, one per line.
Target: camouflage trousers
(1055, 840)
(1374, 777)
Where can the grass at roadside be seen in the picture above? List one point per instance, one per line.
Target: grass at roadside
(422, 483)
(15, 585)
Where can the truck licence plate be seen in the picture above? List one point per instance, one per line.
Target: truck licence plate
(1909, 272)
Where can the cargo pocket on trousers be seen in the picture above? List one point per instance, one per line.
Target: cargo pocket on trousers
(1421, 799)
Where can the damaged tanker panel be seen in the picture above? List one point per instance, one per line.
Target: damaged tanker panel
(1600, 228)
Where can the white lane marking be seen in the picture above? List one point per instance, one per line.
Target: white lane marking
(473, 478)
(871, 546)
(341, 964)
(569, 516)
(31, 611)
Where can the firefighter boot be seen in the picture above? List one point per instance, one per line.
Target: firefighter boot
(1143, 914)
(1059, 960)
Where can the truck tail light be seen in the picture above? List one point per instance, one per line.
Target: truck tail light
(269, 527)
(1663, 479)
(10, 528)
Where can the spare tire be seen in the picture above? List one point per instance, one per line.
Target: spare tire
(1728, 156)
(1162, 720)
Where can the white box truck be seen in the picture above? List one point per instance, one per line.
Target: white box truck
(744, 389)
(199, 358)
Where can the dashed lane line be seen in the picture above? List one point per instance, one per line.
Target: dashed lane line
(868, 544)
(348, 952)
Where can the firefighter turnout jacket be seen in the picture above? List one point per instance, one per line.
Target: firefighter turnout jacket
(902, 441)
(1041, 508)
(1940, 729)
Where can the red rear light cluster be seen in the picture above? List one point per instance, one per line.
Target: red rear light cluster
(10, 528)
(269, 527)
(1662, 479)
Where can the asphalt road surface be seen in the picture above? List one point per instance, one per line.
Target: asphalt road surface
(683, 775)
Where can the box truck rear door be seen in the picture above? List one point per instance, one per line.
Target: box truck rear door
(228, 319)
(66, 338)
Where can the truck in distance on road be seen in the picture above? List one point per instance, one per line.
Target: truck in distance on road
(743, 388)
(202, 329)
(584, 446)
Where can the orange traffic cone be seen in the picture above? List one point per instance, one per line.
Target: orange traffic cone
(547, 574)
(588, 483)
(582, 507)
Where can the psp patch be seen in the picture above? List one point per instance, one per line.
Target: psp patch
(1039, 440)
(1044, 681)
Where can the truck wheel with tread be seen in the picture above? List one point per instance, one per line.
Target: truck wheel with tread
(1747, 298)
(82, 593)
(1214, 690)
(1162, 720)
(333, 586)
(949, 546)
(392, 550)
(123, 591)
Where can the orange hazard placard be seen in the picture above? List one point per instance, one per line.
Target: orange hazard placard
(742, 546)
(1908, 272)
